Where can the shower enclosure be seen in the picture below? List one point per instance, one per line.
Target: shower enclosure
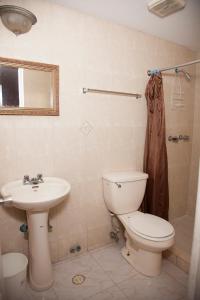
(182, 100)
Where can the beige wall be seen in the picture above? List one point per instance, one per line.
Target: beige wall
(179, 121)
(94, 133)
(195, 147)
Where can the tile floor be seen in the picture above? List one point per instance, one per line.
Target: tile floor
(180, 253)
(109, 276)
(184, 227)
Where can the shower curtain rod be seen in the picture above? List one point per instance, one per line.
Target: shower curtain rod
(155, 71)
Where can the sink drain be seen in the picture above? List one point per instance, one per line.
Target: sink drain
(78, 279)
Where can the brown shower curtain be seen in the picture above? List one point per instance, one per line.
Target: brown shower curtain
(156, 199)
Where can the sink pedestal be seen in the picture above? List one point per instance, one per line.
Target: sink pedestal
(37, 199)
(40, 269)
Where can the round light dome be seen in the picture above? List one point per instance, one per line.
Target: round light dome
(17, 19)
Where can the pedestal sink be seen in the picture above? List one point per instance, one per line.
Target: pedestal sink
(37, 199)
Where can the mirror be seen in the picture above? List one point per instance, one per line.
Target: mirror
(28, 88)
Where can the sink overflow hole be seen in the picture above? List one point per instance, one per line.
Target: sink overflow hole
(78, 279)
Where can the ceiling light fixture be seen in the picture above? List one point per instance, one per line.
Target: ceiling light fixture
(17, 19)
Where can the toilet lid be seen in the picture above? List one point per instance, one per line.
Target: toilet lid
(150, 225)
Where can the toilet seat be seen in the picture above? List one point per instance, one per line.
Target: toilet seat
(148, 226)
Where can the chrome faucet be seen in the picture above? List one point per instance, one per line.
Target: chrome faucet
(26, 179)
(34, 180)
(40, 178)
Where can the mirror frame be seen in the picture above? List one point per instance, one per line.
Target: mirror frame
(54, 69)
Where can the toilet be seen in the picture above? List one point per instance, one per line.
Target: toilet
(147, 236)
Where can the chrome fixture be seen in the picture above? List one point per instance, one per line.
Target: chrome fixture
(156, 71)
(23, 228)
(176, 139)
(114, 234)
(6, 200)
(50, 227)
(75, 248)
(184, 137)
(40, 178)
(86, 90)
(17, 19)
(34, 180)
(186, 74)
(118, 185)
(26, 179)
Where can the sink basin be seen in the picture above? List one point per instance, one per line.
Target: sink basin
(37, 197)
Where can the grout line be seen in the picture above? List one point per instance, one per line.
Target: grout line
(70, 258)
(175, 278)
(115, 283)
(104, 290)
(102, 247)
(101, 290)
(122, 289)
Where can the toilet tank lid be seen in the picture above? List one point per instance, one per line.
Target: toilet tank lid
(125, 176)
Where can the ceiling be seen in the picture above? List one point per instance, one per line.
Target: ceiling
(182, 27)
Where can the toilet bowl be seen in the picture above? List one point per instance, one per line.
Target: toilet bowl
(146, 235)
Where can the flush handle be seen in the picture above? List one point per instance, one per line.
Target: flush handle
(118, 185)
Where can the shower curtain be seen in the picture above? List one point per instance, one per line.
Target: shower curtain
(156, 199)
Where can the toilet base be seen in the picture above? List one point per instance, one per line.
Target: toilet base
(145, 262)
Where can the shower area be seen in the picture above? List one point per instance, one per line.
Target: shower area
(182, 109)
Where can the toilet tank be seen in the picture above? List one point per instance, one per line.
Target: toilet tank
(124, 191)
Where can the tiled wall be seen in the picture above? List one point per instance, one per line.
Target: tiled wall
(179, 121)
(195, 147)
(94, 133)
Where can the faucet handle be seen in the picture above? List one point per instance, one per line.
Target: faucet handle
(40, 177)
(26, 178)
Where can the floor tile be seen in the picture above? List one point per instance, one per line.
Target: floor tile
(30, 294)
(96, 279)
(113, 263)
(163, 287)
(108, 276)
(175, 272)
(113, 293)
(184, 227)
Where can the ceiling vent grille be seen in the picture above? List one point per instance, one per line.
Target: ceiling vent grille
(163, 8)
